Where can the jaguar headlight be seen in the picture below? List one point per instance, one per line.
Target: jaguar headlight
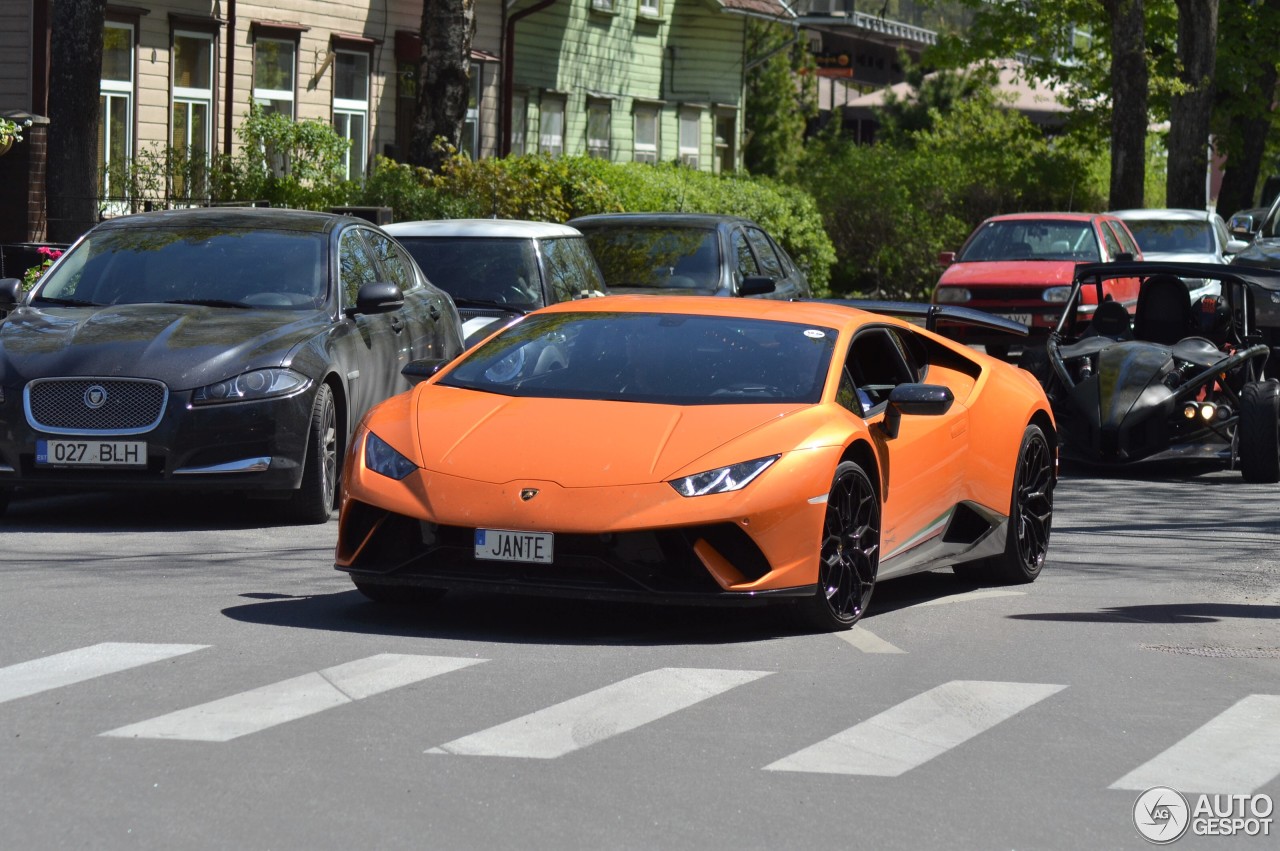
(1056, 295)
(250, 386)
(724, 480)
(383, 460)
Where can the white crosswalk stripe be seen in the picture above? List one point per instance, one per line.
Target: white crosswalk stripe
(1237, 752)
(74, 666)
(600, 714)
(867, 641)
(917, 730)
(288, 700)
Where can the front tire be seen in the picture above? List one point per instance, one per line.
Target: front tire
(1259, 432)
(313, 502)
(1026, 542)
(849, 558)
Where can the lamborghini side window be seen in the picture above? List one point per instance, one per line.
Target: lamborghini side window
(877, 365)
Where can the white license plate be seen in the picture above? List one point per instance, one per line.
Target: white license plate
(1024, 318)
(91, 453)
(505, 545)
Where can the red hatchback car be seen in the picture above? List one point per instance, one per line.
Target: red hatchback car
(1020, 266)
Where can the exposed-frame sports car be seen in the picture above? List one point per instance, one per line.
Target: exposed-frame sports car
(1178, 379)
(702, 450)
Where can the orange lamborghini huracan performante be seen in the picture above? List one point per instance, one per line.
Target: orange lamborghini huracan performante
(702, 450)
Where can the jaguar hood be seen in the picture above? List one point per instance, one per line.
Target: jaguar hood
(184, 346)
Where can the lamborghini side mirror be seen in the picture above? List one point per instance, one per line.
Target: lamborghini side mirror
(922, 400)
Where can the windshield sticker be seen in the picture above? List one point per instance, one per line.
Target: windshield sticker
(815, 334)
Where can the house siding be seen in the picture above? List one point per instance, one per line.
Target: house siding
(690, 55)
(15, 55)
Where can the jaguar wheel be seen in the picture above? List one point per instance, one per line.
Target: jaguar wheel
(850, 552)
(313, 502)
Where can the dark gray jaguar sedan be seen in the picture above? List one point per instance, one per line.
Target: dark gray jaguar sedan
(225, 349)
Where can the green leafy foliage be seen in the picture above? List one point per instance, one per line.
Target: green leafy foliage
(781, 95)
(288, 163)
(542, 188)
(890, 208)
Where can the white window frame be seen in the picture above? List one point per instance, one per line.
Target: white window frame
(646, 152)
(551, 133)
(111, 90)
(725, 148)
(346, 109)
(261, 94)
(188, 96)
(471, 122)
(651, 8)
(690, 148)
(602, 6)
(600, 147)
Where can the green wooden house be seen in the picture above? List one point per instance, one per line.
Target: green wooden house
(631, 80)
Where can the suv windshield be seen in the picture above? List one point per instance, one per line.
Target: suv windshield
(1172, 237)
(198, 265)
(665, 256)
(672, 359)
(1023, 239)
(490, 270)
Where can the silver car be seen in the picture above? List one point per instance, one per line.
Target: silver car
(497, 270)
(1183, 236)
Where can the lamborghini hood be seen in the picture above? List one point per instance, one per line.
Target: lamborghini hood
(575, 443)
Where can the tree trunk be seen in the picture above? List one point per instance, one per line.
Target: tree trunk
(1190, 112)
(1128, 102)
(75, 69)
(444, 83)
(1239, 188)
(1246, 108)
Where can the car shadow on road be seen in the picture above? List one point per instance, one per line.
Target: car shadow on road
(513, 619)
(137, 511)
(1173, 613)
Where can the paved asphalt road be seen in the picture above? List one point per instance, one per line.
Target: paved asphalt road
(175, 674)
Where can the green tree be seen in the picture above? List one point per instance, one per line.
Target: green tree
(1244, 121)
(781, 96)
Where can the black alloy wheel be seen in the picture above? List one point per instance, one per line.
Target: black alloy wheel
(1258, 432)
(850, 552)
(314, 500)
(1030, 513)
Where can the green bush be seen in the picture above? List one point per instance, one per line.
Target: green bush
(541, 188)
(890, 208)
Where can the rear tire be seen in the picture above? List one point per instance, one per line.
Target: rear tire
(1030, 517)
(849, 557)
(1258, 432)
(313, 502)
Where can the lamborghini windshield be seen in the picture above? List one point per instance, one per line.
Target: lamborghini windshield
(664, 358)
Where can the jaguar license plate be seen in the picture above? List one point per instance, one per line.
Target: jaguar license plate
(1024, 318)
(506, 545)
(91, 453)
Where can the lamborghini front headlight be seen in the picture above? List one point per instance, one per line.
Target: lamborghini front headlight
(382, 459)
(723, 480)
